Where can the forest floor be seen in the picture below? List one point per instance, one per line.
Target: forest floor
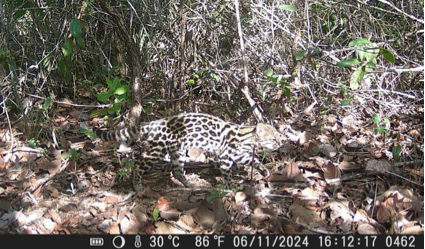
(337, 175)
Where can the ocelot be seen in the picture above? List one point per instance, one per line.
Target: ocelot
(175, 135)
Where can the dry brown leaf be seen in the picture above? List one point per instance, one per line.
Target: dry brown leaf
(163, 203)
(415, 229)
(55, 216)
(340, 210)
(105, 226)
(188, 223)
(49, 225)
(404, 199)
(327, 150)
(36, 192)
(303, 215)
(304, 137)
(167, 228)
(361, 216)
(53, 191)
(240, 197)
(110, 199)
(366, 229)
(331, 171)
(171, 214)
(75, 114)
(52, 167)
(379, 166)
(348, 121)
(68, 207)
(384, 213)
(347, 166)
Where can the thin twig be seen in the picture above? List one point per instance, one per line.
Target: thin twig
(245, 90)
(400, 11)
(70, 104)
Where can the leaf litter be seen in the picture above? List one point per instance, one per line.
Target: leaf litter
(337, 178)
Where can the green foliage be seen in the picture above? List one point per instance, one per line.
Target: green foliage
(76, 30)
(155, 214)
(88, 132)
(117, 92)
(300, 55)
(396, 152)
(216, 193)
(7, 62)
(66, 65)
(366, 54)
(203, 75)
(126, 170)
(279, 81)
(122, 174)
(73, 155)
(380, 129)
(347, 99)
(46, 104)
(288, 7)
(32, 143)
(40, 115)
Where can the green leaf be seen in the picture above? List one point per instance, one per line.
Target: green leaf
(46, 104)
(396, 152)
(386, 121)
(376, 118)
(75, 28)
(99, 113)
(359, 42)
(286, 87)
(62, 67)
(214, 192)
(88, 132)
(288, 7)
(370, 64)
(32, 143)
(73, 153)
(360, 54)
(113, 83)
(191, 82)
(357, 77)
(210, 198)
(104, 96)
(387, 55)
(346, 63)
(116, 107)
(18, 14)
(46, 61)
(300, 55)
(215, 77)
(80, 42)
(67, 48)
(371, 53)
(110, 83)
(155, 214)
(122, 90)
(380, 130)
(269, 72)
(346, 101)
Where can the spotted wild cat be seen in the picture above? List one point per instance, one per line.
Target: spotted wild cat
(175, 135)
